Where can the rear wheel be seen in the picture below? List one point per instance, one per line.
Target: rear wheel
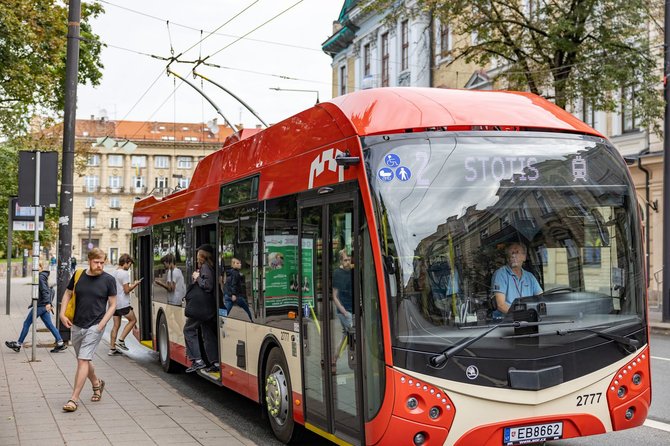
(168, 364)
(278, 393)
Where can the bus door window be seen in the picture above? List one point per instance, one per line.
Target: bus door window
(281, 280)
(238, 229)
(163, 248)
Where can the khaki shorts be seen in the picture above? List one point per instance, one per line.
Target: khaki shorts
(85, 341)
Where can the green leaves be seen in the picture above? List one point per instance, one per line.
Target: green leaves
(33, 42)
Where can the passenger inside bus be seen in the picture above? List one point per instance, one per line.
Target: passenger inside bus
(342, 290)
(512, 281)
(173, 282)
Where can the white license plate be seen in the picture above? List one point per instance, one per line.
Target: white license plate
(532, 433)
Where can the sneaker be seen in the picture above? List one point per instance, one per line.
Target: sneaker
(114, 352)
(197, 365)
(59, 348)
(122, 345)
(214, 368)
(13, 345)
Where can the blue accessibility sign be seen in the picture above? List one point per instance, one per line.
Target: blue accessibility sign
(392, 160)
(403, 173)
(385, 174)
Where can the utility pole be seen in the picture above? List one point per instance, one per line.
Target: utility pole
(67, 174)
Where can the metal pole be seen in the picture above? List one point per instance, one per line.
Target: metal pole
(66, 189)
(666, 171)
(10, 224)
(36, 255)
(90, 216)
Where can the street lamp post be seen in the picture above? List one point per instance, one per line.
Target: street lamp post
(90, 218)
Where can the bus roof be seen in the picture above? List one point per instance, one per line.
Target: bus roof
(326, 125)
(383, 110)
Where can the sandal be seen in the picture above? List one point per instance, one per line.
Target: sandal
(70, 406)
(97, 391)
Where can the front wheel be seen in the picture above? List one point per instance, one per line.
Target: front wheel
(167, 363)
(278, 393)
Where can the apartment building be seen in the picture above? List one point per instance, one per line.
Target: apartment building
(128, 160)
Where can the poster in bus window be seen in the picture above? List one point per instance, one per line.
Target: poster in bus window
(282, 285)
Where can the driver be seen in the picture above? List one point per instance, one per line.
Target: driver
(512, 281)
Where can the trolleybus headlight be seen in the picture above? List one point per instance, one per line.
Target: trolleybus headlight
(419, 438)
(412, 403)
(637, 379)
(629, 413)
(434, 412)
(621, 392)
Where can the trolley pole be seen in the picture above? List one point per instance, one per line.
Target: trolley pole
(67, 174)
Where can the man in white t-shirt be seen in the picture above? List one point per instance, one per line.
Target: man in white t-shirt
(123, 308)
(174, 280)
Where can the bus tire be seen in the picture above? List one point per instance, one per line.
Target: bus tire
(167, 363)
(278, 396)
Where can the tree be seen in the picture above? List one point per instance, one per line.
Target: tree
(564, 50)
(33, 42)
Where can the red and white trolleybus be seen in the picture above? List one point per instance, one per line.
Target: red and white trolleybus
(422, 190)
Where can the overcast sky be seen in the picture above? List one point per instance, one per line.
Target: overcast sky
(285, 52)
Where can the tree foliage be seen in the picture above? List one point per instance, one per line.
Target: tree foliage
(33, 50)
(33, 43)
(565, 50)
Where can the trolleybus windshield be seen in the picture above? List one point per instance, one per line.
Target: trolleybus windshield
(450, 204)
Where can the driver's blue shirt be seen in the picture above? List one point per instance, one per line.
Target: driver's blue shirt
(506, 282)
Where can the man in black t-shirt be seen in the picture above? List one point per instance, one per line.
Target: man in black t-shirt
(95, 304)
(342, 290)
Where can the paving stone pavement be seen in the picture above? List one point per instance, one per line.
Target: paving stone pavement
(136, 408)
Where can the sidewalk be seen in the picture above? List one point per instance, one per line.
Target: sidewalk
(136, 408)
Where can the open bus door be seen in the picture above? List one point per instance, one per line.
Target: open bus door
(332, 366)
(144, 269)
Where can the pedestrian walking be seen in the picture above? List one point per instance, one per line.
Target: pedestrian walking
(123, 308)
(95, 299)
(44, 310)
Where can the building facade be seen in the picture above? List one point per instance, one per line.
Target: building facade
(369, 50)
(128, 160)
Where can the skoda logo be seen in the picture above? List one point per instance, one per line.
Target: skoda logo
(472, 372)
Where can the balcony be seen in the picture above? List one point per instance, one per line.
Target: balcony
(114, 190)
(90, 189)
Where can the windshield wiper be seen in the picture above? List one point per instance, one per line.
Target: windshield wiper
(628, 342)
(439, 359)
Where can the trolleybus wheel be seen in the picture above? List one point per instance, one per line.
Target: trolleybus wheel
(168, 364)
(278, 397)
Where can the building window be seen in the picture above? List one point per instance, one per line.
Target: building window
(115, 182)
(445, 39)
(161, 183)
(167, 138)
(628, 121)
(184, 162)
(114, 202)
(90, 222)
(138, 161)
(90, 202)
(385, 60)
(93, 160)
(191, 138)
(588, 114)
(91, 183)
(343, 79)
(367, 56)
(114, 223)
(404, 49)
(183, 182)
(162, 162)
(138, 182)
(115, 160)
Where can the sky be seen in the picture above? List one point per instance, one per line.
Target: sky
(285, 52)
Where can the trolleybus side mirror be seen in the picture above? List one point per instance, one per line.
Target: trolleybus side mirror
(346, 160)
